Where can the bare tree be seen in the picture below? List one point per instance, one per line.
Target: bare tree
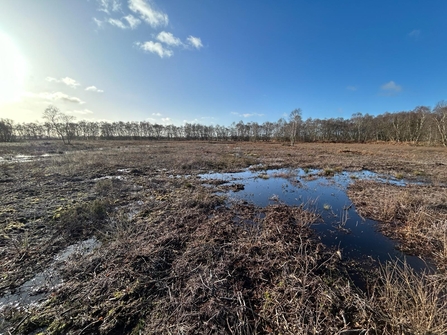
(62, 123)
(295, 123)
(6, 130)
(440, 114)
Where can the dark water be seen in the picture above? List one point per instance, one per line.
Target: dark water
(342, 227)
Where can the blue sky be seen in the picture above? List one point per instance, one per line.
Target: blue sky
(216, 62)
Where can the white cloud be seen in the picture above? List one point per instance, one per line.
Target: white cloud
(94, 89)
(155, 48)
(109, 5)
(196, 42)
(351, 88)
(390, 88)
(82, 112)
(156, 114)
(166, 120)
(67, 81)
(54, 96)
(153, 17)
(415, 34)
(132, 20)
(117, 23)
(169, 39)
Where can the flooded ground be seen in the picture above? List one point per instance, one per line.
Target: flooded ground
(341, 227)
(38, 288)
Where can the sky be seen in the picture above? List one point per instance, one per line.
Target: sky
(218, 62)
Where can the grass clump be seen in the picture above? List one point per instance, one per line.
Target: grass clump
(83, 219)
(411, 303)
(414, 214)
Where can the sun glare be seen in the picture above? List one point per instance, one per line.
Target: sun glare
(12, 71)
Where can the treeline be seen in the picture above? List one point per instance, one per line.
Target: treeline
(420, 125)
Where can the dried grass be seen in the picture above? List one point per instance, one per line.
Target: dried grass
(414, 214)
(411, 303)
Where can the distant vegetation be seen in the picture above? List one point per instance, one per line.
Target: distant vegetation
(420, 125)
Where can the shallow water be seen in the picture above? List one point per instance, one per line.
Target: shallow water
(342, 227)
(39, 287)
(24, 158)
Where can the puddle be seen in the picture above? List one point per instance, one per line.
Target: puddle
(24, 158)
(110, 177)
(343, 228)
(37, 289)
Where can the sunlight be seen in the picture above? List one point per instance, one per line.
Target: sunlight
(12, 71)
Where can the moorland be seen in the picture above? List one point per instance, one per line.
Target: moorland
(168, 256)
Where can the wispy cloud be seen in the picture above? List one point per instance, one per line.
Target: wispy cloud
(390, 88)
(98, 22)
(191, 121)
(169, 39)
(415, 34)
(156, 48)
(94, 89)
(132, 21)
(67, 81)
(156, 114)
(196, 42)
(117, 23)
(246, 115)
(127, 22)
(351, 88)
(54, 96)
(148, 14)
(109, 5)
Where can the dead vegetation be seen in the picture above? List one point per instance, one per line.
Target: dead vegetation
(416, 215)
(197, 271)
(175, 260)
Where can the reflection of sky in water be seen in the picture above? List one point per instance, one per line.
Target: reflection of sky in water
(342, 227)
(37, 289)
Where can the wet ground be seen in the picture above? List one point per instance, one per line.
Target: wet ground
(341, 227)
(37, 289)
(39, 185)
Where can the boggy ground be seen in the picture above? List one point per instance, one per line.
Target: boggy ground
(175, 260)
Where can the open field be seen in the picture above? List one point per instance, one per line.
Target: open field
(172, 258)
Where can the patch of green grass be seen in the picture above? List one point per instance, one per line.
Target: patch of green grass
(328, 172)
(399, 176)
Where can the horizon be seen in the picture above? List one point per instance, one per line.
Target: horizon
(173, 62)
